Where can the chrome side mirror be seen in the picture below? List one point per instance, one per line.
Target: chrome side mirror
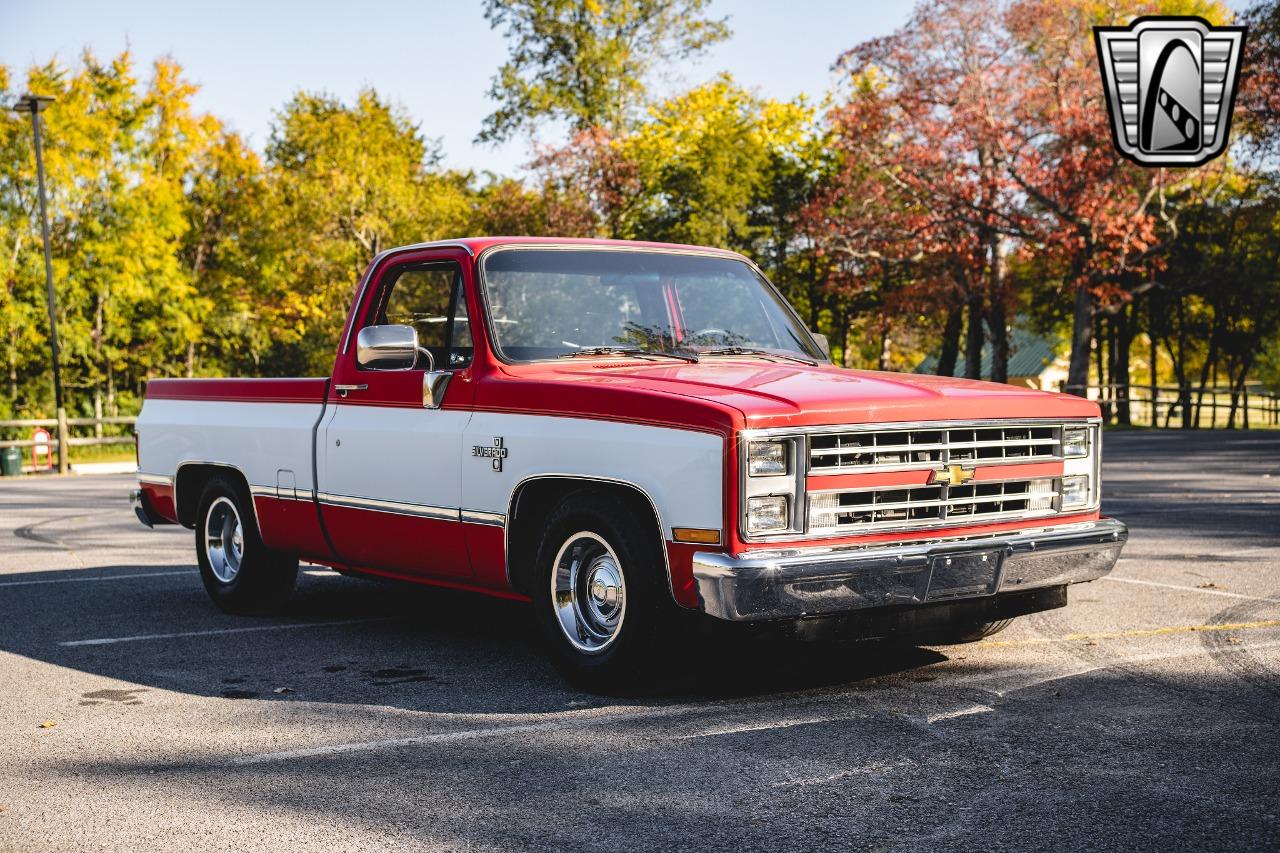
(823, 344)
(387, 347)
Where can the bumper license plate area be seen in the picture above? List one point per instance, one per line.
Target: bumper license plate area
(964, 575)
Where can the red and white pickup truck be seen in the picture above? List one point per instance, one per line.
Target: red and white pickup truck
(628, 434)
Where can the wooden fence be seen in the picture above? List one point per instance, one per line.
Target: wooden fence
(1185, 407)
(27, 425)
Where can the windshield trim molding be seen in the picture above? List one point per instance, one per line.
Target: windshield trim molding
(482, 286)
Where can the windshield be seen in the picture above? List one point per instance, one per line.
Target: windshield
(554, 303)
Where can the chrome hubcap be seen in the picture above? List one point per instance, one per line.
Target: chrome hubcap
(223, 539)
(588, 591)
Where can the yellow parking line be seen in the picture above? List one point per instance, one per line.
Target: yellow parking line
(1137, 632)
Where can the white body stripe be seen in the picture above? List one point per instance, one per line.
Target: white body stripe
(406, 455)
(681, 470)
(424, 457)
(258, 438)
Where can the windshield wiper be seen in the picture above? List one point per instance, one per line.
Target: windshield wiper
(636, 351)
(763, 352)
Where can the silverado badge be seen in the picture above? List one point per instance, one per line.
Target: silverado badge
(952, 475)
(496, 452)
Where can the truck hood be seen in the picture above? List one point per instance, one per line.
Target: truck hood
(777, 394)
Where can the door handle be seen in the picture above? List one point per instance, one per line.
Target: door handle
(344, 389)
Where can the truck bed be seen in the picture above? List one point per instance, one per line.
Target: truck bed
(263, 428)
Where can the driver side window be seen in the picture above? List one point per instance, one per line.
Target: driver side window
(430, 298)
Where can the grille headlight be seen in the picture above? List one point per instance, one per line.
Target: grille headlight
(767, 458)
(1075, 491)
(767, 513)
(1075, 441)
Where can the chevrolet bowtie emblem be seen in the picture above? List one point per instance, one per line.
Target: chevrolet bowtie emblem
(952, 475)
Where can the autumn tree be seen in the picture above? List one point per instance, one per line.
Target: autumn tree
(1105, 220)
(1259, 93)
(921, 133)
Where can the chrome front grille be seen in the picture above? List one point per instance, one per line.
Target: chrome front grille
(905, 507)
(914, 449)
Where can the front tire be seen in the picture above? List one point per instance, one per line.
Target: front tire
(601, 593)
(239, 572)
(971, 633)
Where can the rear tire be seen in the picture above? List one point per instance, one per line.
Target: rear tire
(602, 596)
(239, 572)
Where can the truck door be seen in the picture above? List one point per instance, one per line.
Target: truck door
(390, 457)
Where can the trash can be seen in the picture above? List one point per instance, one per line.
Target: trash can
(10, 462)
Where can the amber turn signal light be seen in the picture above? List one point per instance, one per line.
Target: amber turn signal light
(696, 534)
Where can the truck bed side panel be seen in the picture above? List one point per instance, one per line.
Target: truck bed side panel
(270, 443)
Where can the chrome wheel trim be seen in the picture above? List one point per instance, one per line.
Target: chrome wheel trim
(223, 539)
(588, 592)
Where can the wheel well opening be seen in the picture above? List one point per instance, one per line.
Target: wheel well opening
(535, 500)
(189, 485)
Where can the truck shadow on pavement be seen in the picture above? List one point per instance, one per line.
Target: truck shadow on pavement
(351, 641)
(816, 771)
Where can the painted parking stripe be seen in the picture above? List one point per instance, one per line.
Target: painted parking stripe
(587, 718)
(107, 641)
(103, 578)
(1133, 633)
(1181, 588)
(1013, 681)
(572, 722)
(959, 712)
(764, 727)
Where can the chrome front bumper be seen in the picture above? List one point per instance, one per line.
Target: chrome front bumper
(783, 584)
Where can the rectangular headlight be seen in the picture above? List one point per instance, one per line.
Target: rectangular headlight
(1075, 441)
(1075, 491)
(767, 458)
(767, 513)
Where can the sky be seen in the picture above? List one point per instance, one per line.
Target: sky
(436, 59)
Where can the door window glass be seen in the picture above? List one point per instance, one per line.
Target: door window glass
(431, 299)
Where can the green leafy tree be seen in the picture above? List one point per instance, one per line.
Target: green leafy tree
(585, 62)
(118, 157)
(344, 183)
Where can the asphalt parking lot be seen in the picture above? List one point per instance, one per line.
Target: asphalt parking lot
(1145, 715)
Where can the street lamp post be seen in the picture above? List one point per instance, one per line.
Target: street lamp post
(35, 104)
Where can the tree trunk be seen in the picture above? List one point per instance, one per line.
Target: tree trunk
(997, 321)
(13, 377)
(1120, 365)
(847, 353)
(1180, 367)
(1209, 365)
(1237, 391)
(1154, 366)
(886, 346)
(1104, 390)
(951, 342)
(1081, 343)
(997, 324)
(973, 346)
